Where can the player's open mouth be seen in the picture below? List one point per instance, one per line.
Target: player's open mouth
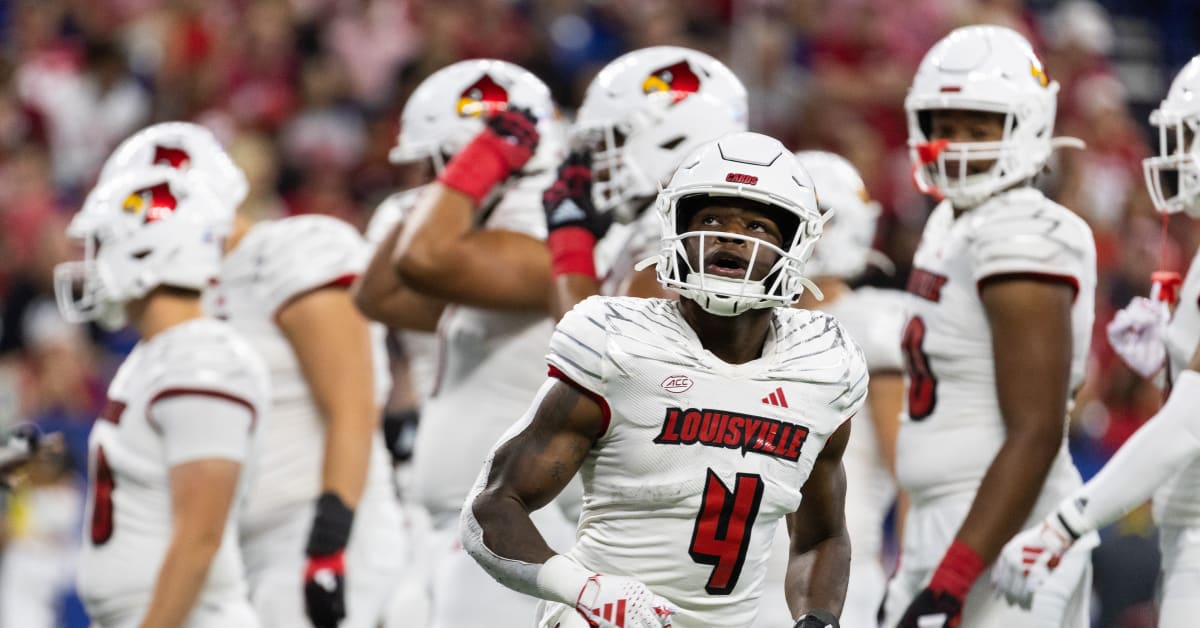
(726, 264)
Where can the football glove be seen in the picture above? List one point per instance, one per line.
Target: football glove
(1029, 557)
(498, 152)
(573, 223)
(1137, 333)
(817, 619)
(325, 570)
(616, 602)
(933, 609)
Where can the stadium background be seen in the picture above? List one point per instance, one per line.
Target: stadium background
(307, 96)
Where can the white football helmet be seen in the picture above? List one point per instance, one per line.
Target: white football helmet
(646, 111)
(981, 68)
(1173, 177)
(182, 145)
(148, 227)
(850, 216)
(756, 168)
(447, 111)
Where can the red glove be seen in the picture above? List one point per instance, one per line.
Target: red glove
(943, 599)
(499, 151)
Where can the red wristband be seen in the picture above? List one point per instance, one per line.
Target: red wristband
(335, 562)
(483, 164)
(572, 251)
(959, 569)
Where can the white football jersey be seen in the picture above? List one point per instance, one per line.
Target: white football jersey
(128, 527)
(701, 459)
(273, 264)
(1178, 501)
(420, 347)
(488, 370)
(952, 427)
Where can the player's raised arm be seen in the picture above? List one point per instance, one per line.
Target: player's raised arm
(819, 564)
(524, 474)
(381, 296)
(442, 255)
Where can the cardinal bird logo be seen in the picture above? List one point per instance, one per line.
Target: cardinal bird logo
(154, 203)
(482, 98)
(678, 80)
(173, 157)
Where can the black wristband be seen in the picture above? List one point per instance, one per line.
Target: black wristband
(819, 618)
(331, 526)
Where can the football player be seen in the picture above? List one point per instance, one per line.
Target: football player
(1000, 318)
(874, 319)
(695, 424)
(166, 455)
(320, 503)
(642, 114)
(473, 241)
(1163, 458)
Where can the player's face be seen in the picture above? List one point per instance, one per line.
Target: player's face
(966, 126)
(730, 257)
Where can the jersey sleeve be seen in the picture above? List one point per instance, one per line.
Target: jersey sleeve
(577, 347)
(520, 209)
(306, 253)
(1030, 235)
(198, 425)
(209, 360)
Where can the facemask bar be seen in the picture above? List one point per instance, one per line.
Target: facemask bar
(936, 176)
(614, 182)
(78, 288)
(728, 296)
(1174, 161)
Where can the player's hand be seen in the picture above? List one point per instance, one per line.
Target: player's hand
(1137, 333)
(325, 571)
(325, 590)
(933, 609)
(568, 202)
(1029, 557)
(505, 145)
(616, 602)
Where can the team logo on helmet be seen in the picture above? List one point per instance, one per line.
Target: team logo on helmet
(1039, 74)
(482, 98)
(678, 80)
(153, 203)
(173, 157)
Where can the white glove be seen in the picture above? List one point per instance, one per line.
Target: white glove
(1028, 558)
(617, 602)
(1138, 334)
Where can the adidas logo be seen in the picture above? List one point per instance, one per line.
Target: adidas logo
(776, 398)
(567, 211)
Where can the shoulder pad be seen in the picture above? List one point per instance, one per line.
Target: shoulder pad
(813, 347)
(208, 356)
(304, 253)
(1024, 232)
(391, 211)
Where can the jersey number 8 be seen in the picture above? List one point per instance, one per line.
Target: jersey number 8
(922, 385)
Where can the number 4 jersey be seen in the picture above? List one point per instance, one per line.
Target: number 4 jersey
(953, 428)
(701, 459)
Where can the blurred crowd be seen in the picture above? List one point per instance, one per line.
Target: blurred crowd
(307, 96)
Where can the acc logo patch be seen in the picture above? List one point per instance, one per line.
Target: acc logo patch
(678, 80)
(677, 383)
(153, 203)
(482, 98)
